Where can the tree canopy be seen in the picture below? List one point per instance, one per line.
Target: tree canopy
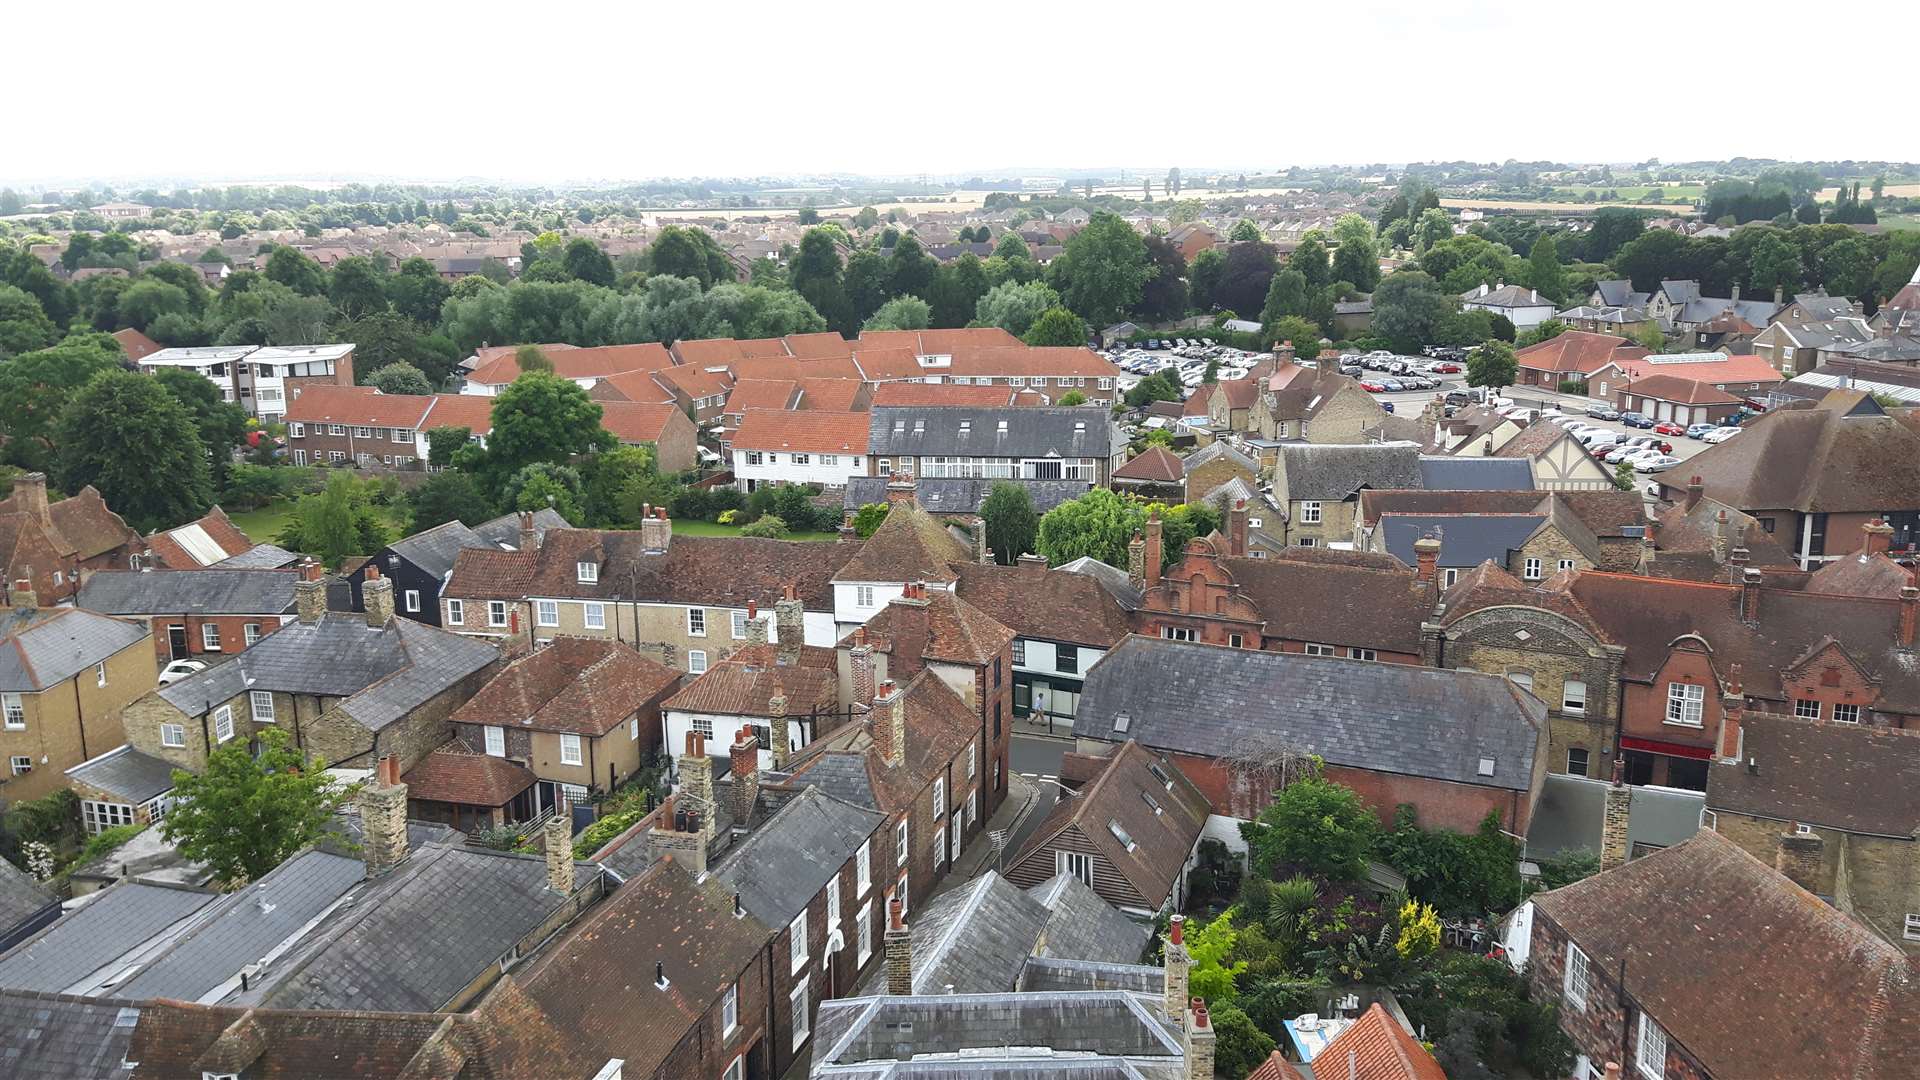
(248, 812)
(134, 442)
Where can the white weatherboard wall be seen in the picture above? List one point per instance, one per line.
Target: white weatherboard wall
(778, 467)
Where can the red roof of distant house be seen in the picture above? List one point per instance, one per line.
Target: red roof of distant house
(1154, 465)
(763, 394)
(1727, 369)
(1577, 352)
(924, 395)
(786, 367)
(824, 343)
(361, 405)
(631, 386)
(694, 382)
(833, 395)
(469, 411)
(1674, 388)
(1376, 1047)
(454, 774)
(710, 351)
(636, 421)
(571, 363)
(135, 344)
(817, 432)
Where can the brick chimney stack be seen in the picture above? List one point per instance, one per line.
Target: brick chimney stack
(1153, 556)
(310, 593)
(899, 949)
(377, 596)
(21, 595)
(677, 836)
(1283, 352)
(529, 536)
(1733, 707)
(890, 723)
(745, 755)
(860, 665)
(1750, 595)
(899, 489)
(696, 782)
(1876, 537)
(778, 730)
(1694, 490)
(383, 818)
(1137, 562)
(656, 532)
(1174, 963)
(557, 840)
(981, 553)
(756, 626)
(1909, 614)
(1199, 1039)
(1426, 560)
(1237, 529)
(1614, 819)
(1799, 857)
(30, 497)
(789, 624)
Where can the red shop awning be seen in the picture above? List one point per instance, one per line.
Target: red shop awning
(1655, 746)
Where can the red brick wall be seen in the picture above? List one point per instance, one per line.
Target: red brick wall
(1607, 1029)
(1643, 707)
(1440, 804)
(1831, 679)
(704, 1052)
(233, 633)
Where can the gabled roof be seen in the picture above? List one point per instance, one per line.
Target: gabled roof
(633, 422)
(1665, 387)
(574, 685)
(1101, 1035)
(1074, 431)
(1862, 573)
(936, 626)
(359, 405)
(1139, 812)
(75, 952)
(1221, 448)
(803, 431)
(205, 542)
(763, 394)
(1439, 473)
(939, 724)
(570, 362)
(127, 773)
(1850, 777)
(1336, 472)
(926, 395)
(782, 865)
(1336, 603)
(1392, 718)
(44, 647)
(1465, 539)
(82, 525)
(746, 682)
(1844, 455)
(504, 531)
(454, 774)
(1154, 465)
(909, 545)
(1683, 921)
(1577, 352)
(193, 592)
(1054, 605)
(1112, 579)
(434, 550)
(1376, 1047)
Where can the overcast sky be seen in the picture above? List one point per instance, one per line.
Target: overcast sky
(561, 91)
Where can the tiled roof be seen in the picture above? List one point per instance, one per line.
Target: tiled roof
(134, 776)
(833, 395)
(693, 381)
(1332, 473)
(21, 898)
(77, 947)
(1855, 778)
(1073, 431)
(577, 363)
(939, 725)
(490, 572)
(574, 685)
(1665, 387)
(1054, 605)
(763, 394)
(936, 341)
(195, 592)
(45, 1036)
(44, 647)
(199, 543)
(1861, 574)
(454, 774)
(1376, 1047)
(469, 411)
(722, 571)
(1335, 604)
(782, 865)
(823, 344)
(1844, 455)
(361, 405)
(818, 432)
(1577, 352)
(663, 916)
(909, 545)
(135, 344)
(1701, 367)
(504, 531)
(1398, 501)
(925, 395)
(1161, 821)
(1154, 465)
(1362, 714)
(1810, 1001)
(941, 626)
(746, 682)
(81, 525)
(638, 386)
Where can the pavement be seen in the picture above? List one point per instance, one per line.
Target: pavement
(1029, 796)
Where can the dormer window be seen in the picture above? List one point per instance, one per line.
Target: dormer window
(1079, 427)
(586, 573)
(899, 426)
(919, 427)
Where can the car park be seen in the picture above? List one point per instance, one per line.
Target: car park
(1668, 427)
(1392, 386)
(1720, 435)
(1634, 419)
(1698, 430)
(1372, 387)
(1655, 463)
(1603, 412)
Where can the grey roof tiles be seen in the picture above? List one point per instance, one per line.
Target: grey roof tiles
(782, 865)
(976, 432)
(206, 591)
(126, 772)
(70, 955)
(47, 646)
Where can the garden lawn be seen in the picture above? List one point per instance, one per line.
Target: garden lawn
(708, 528)
(264, 524)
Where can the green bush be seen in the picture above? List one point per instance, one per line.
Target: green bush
(767, 527)
(1573, 386)
(595, 836)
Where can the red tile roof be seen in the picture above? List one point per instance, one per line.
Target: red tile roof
(571, 363)
(454, 774)
(748, 679)
(215, 524)
(1686, 391)
(1727, 369)
(470, 411)
(774, 367)
(834, 395)
(1154, 465)
(763, 394)
(359, 405)
(1376, 1047)
(694, 381)
(135, 344)
(1577, 352)
(824, 343)
(940, 626)
(806, 432)
(632, 386)
(711, 351)
(932, 395)
(1054, 604)
(574, 686)
(909, 545)
(635, 421)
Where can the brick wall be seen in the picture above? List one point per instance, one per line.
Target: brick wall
(1554, 651)
(1876, 879)
(706, 1051)
(1439, 803)
(1607, 1028)
(232, 630)
(71, 722)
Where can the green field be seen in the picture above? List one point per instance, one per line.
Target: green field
(708, 528)
(1643, 193)
(262, 525)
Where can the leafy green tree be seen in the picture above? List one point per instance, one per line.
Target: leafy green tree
(248, 812)
(1098, 524)
(1011, 524)
(910, 269)
(767, 527)
(1103, 270)
(399, 378)
(1317, 825)
(816, 274)
(444, 442)
(417, 292)
(1398, 208)
(1204, 275)
(1846, 267)
(866, 219)
(1304, 335)
(1159, 386)
(1431, 227)
(1075, 397)
(1165, 295)
(1649, 257)
(1775, 264)
(337, 521)
(751, 311)
(292, 268)
(1012, 245)
(956, 291)
(543, 418)
(1546, 274)
(128, 437)
(1492, 365)
(24, 327)
(866, 283)
(1407, 309)
(867, 519)
(1057, 326)
(1898, 264)
(1245, 278)
(901, 313)
(447, 496)
(1245, 231)
(297, 320)
(690, 253)
(222, 424)
(532, 358)
(36, 386)
(1469, 875)
(584, 261)
(182, 277)
(177, 330)
(1240, 1047)
(146, 301)
(1014, 307)
(1357, 261)
(358, 287)
(1286, 295)
(1214, 964)
(542, 485)
(25, 271)
(606, 478)
(1309, 260)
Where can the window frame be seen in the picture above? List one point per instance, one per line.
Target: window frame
(1531, 570)
(586, 572)
(179, 733)
(546, 613)
(1651, 1035)
(1586, 761)
(457, 611)
(1310, 512)
(863, 930)
(1576, 981)
(1072, 862)
(210, 637)
(250, 633)
(492, 735)
(412, 600)
(1853, 712)
(802, 1023)
(223, 718)
(255, 700)
(863, 869)
(901, 838)
(1567, 699)
(501, 607)
(696, 622)
(730, 1011)
(571, 742)
(1684, 700)
(13, 712)
(1807, 708)
(691, 655)
(797, 953)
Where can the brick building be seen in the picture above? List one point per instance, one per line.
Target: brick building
(196, 614)
(49, 543)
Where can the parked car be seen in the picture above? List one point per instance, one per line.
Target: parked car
(180, 669)
(1668, 427)
(1459, 398)
(1445, 369)
(1699, 430)
(1392, 386)
(1719, 434)
(1634, 419)
(1655, 463)
(1603, 412)
(1372, 387)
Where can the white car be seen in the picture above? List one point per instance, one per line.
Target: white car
(180, 669)
(1720, 435)
(1655, 463)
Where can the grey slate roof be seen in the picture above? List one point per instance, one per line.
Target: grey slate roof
(1466, 540)
(47, 646)
(1444, 473)
(1332, 473)
(383, 674)
(961, 495)
(258, 557)
(1052, 973)
(1107, 1024)
(1082, 926)
(244, 926)
(1391, 718)
(1075, 431)
(434, 550)
(62, 1037)
(1621, 294)
(1222, 448)
(21, 897)
(419, 935)
(840, 774)
(1111, 578)
(194, 592)
(781, 866)
(505, 529)
(117, 921)
(126, 772)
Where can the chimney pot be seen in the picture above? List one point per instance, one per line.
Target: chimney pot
(898, 944)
